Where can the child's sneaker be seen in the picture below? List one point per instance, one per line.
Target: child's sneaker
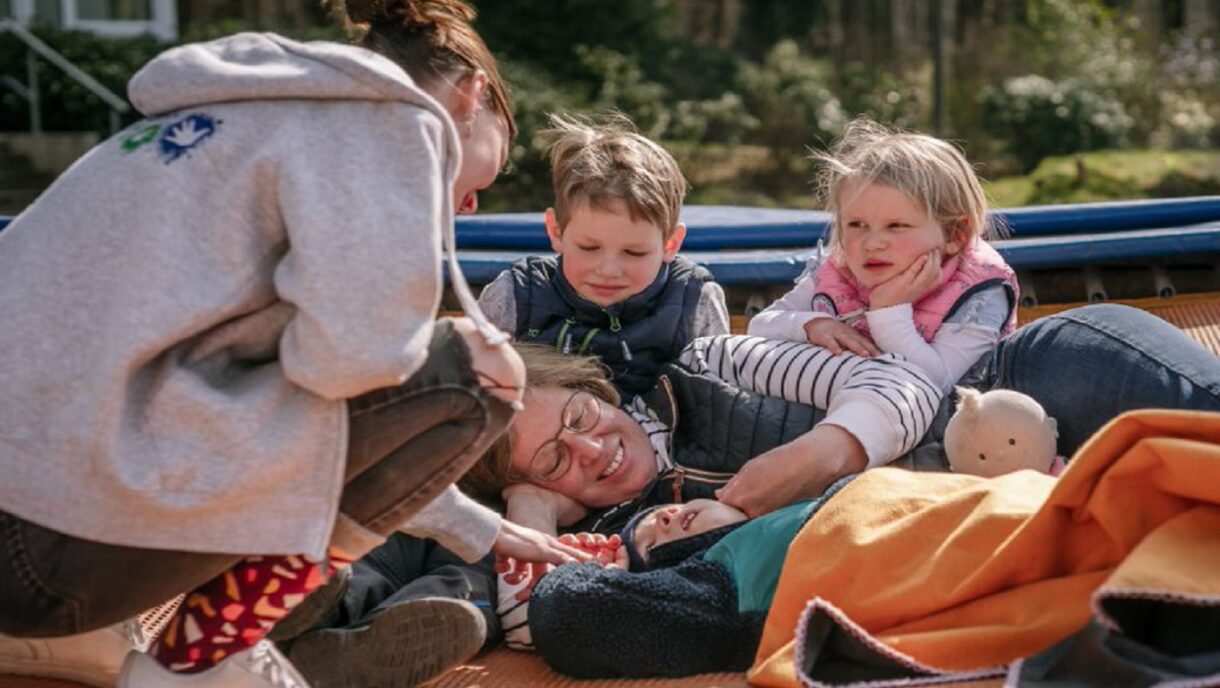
(261, 666)
(91, 658)
(405, 645)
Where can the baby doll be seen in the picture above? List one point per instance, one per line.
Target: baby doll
(1001, 431)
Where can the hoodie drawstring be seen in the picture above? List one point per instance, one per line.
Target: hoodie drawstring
(470, 306)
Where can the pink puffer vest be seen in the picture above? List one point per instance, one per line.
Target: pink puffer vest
(979, 266)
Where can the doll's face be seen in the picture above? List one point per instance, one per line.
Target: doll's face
(1000, 432)
(677, 521)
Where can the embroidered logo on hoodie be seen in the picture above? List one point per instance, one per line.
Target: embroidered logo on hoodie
(183, 136)
(142, 136)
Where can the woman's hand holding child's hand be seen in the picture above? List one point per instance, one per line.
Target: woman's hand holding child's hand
(910, 284)
(528, 545)
(523, 573)
(604, 550)
(837, 337)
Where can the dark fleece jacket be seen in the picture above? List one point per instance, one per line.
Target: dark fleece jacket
(685, 617)
(678, 618)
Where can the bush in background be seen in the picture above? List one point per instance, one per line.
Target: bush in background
(1189, 93)
(723, 120)
(66, 105)
(1037, 117)
(793, 107)
(899, 99)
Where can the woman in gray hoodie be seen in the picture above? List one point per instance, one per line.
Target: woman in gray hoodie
(219, 333)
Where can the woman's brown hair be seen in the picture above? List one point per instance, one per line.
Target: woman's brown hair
(431, 39)
(544, 367)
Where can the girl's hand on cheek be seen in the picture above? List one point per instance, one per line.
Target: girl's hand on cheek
(910, 284)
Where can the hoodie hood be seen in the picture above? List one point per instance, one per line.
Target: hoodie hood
(264, 66)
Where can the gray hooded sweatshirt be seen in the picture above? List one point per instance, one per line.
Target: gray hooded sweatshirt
(185, 310)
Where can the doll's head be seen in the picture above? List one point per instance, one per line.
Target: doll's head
(999, 432)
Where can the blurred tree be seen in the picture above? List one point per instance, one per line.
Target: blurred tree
(709, 22)
(1201, 17)
(546, 32)
(196, 15)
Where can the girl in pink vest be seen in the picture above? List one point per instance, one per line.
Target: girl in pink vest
(909, 270)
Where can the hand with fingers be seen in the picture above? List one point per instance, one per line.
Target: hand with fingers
(541, 509)
(499, 367)
(800, 469)
(837, 337)
(909, 285)
(603, 549)
(529, 545)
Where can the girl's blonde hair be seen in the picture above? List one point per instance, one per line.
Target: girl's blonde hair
(545, 366)
(433, 40)
(600, 162)
(932, 172)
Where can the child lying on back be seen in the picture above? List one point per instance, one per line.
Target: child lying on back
(683, 590)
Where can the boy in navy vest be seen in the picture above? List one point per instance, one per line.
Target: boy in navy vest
(617, 288)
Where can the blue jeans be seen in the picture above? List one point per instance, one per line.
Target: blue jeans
(406, 444)
(1089, 364)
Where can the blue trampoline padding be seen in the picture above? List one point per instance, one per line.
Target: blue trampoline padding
(712, 227)
(774, 266)
(709, 228)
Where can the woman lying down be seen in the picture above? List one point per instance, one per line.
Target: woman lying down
(1108, 574)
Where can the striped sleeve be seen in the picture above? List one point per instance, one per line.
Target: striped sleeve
(886, 402)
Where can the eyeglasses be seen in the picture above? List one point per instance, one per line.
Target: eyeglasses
(551, 461)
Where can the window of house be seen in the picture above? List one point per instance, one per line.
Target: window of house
(122, 17)
(121, 10)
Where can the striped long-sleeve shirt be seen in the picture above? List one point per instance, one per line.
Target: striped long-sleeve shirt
(886, 402)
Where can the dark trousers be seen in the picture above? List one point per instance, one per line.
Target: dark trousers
(408, 568)
(407, 444)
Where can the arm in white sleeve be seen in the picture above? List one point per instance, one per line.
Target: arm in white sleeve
(786, 318)
(887, 403)
(364, 276)
(499, 303)
(970, 332)
(711, 313)
(458, 523)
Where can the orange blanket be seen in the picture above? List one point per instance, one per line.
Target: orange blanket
(951, 573)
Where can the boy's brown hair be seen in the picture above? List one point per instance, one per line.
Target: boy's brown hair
(602, 162)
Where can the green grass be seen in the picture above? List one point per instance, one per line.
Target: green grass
(1111, 175)
(749, 176)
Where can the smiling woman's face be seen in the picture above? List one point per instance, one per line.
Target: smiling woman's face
(609, 464)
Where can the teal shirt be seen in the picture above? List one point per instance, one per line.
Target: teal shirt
(754, 553)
